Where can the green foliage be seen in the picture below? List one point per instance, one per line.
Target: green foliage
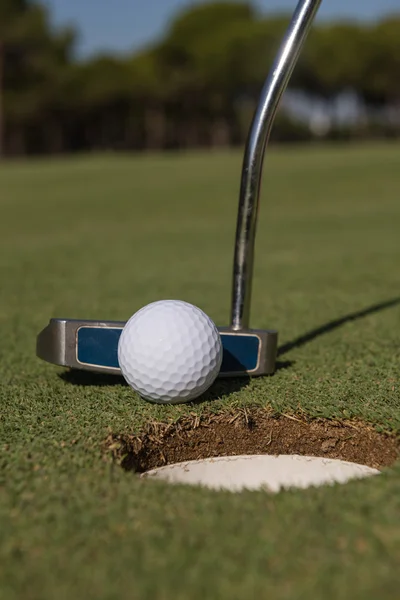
(203, 20)
(331, 60)
(380, 71)
(191, 88)
(35, 59)
(10, 12)
(103, 81)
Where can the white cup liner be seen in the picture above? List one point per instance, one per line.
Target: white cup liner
(267, 472)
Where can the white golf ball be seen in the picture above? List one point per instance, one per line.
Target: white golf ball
(170, 352)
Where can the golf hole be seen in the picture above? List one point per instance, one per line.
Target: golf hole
(254, 449)
(261, 472)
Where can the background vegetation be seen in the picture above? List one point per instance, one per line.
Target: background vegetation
(196, 87)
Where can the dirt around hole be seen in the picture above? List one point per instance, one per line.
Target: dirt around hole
(253, 431)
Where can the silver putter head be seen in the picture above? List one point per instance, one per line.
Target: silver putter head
(93, 346)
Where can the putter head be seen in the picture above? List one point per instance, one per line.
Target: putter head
(93, 346)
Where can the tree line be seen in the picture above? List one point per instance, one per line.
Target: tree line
(196, 87)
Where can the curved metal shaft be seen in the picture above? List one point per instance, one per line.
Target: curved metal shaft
(260, 130)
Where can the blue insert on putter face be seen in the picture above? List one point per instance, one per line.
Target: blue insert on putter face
(99, 346)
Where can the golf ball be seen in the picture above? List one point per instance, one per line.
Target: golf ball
(170, 352)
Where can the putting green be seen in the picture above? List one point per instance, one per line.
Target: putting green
(100, 237)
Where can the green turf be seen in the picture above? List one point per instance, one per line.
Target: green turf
(100, 237)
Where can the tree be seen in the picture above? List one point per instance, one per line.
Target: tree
(12, 14)
(192, 58)
(379, 81)
(330, 62)
(32, 59)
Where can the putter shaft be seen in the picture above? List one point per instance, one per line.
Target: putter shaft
(257, 140)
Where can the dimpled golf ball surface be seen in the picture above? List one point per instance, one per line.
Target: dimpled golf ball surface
(170, 352)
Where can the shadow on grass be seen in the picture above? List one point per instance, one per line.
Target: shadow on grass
(88, 378)
(332, 325)
(283, 364)
(220, 387)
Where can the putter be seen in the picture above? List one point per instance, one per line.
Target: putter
(93, 345)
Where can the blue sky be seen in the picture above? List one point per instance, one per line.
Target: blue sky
(122, 25)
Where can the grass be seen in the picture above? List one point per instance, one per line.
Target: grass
(100, 237)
